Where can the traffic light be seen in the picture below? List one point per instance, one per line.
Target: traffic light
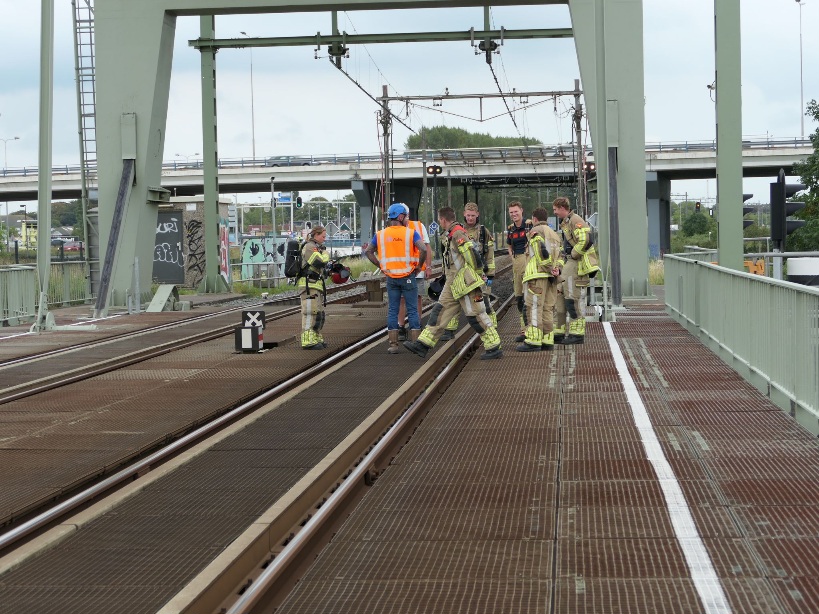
(746, 211)
(299, 203)
(781, 209)
(697, 207)
(434, 169)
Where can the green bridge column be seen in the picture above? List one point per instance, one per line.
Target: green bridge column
(609, 42)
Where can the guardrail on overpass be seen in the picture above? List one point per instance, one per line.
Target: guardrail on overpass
(766, 330)
(478, 154)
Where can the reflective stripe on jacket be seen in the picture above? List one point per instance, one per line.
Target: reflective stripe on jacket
(397, 256)
(578, 233)
(313, 259)
(542, 239)
(422, 232)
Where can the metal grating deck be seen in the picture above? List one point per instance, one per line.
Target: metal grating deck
(541, 451)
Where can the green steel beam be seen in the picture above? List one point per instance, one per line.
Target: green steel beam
(135, 49)
(212, 281)
(610, 57)
(318, 40)
(241, 7)
(729, 132)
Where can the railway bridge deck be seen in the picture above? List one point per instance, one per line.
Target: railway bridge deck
(634, 473)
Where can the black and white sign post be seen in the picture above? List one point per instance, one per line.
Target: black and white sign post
(250, 335)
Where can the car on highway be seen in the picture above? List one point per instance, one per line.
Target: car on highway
(291, 161)
(72, 246)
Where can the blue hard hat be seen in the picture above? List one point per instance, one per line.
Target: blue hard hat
(397, 209)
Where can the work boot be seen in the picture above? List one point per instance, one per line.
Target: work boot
(414, 334)
(402, 333)
(492, 354)
(448, 335)
(416, 347)
(394, 348)
(547, 347)
(527, 347)
(520, 337)
(573, 340)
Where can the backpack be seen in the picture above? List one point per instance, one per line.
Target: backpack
(292, 259)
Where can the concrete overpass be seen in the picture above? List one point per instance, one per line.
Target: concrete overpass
(482, 167)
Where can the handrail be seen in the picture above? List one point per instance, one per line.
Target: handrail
(765, 329)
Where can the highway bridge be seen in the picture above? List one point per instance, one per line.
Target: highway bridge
(484, 167)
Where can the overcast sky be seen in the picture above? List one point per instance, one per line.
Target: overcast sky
(305, 106)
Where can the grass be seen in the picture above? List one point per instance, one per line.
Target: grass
(656, 273)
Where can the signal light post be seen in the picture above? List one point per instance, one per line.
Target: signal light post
(781, 208)
(434, 170)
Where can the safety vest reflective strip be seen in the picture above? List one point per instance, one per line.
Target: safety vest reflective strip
(395, 256)
(418, 227)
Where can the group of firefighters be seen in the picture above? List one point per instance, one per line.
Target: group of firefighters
(551, 273)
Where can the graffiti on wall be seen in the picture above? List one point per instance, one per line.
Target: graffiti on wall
(224, 250)
(262, 257)
(168, 250)
(195, 243)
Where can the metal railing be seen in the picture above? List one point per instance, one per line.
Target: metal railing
(19, 289)
(474, 154)
(767, 330)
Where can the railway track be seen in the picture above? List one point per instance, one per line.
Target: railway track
(364, 451)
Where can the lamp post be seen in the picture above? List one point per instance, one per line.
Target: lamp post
(5, 166)
(252, 109)
(187, 158)
(801, 81)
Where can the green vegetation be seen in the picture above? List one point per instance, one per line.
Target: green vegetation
(807, 237)
(656, 272)
(442, 137)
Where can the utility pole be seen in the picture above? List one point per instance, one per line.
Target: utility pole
(578, 130)
(386, 125)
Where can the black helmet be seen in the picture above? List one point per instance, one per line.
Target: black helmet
(436, 286)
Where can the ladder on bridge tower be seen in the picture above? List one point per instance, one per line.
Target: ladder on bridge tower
(83, 14)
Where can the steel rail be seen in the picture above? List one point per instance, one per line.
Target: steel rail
(145, 465)
(290, 554)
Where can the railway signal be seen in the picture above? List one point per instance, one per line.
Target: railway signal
(746, 210)
(434, 169)
(781, 209)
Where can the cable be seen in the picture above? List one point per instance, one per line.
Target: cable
(506, 104)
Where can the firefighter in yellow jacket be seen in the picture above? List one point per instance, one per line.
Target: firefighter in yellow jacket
(544, 257)
(314, 259)
(461, 292)
(581, 264)
(482, 239)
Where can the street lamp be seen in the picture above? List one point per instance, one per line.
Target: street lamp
(252, 110)
(801, 82)
(5, 166)
(5, 152)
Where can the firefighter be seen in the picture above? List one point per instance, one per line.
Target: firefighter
(544, 257)
(462, 291)
(314, 260)
(581, 265)
(516, 234)
(401, 255)
(482, 240)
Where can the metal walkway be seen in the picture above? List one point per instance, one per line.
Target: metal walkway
(531, 489)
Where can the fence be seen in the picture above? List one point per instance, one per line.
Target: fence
(767, 330)
(20, 289)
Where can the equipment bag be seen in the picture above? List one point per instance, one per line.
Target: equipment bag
(292, 259)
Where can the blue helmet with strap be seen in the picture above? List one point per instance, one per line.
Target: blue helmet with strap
(397, 209)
